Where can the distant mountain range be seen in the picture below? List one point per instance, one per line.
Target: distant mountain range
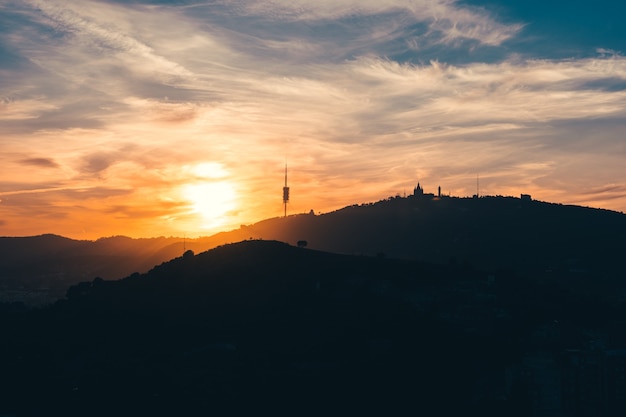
(488, 232)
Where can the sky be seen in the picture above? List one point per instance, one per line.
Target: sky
(169, 118)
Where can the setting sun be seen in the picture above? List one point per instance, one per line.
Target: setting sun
(210, 196)
(211, 202)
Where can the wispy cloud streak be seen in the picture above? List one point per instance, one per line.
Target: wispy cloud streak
(105, 36)
(446, 17)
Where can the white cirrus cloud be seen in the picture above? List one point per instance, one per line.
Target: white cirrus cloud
(446, 17)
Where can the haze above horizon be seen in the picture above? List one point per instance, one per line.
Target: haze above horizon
(156, 118)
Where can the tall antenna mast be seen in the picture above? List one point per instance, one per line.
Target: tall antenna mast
(285, 191)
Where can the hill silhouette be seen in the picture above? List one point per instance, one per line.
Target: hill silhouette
(248, 326)
(491, 233)
(262, 326)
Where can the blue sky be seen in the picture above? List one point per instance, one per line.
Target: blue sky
(168, 117)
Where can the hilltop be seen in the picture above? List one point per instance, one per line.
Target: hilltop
(487, 232)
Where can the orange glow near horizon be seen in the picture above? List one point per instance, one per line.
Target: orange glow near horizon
(206, 197)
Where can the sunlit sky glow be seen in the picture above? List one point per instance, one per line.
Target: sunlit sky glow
(150, 118)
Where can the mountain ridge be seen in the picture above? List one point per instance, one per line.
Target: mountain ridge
(489, 232)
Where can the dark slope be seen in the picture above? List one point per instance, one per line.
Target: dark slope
(261, 325)
(489, 232)
(252, 326)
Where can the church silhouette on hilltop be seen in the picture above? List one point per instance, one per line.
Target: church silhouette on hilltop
(418, 192)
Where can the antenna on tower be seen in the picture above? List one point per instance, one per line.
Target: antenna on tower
(285, 191)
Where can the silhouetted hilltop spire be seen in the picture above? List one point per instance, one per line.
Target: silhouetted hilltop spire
(418, 191)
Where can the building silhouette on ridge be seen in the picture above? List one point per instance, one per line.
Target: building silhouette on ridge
(418, 192)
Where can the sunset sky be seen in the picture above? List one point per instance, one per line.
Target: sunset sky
(159, 118)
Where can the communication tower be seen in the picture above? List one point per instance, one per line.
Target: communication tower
(285, 192)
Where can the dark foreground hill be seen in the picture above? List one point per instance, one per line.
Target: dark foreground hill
(264, 327)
